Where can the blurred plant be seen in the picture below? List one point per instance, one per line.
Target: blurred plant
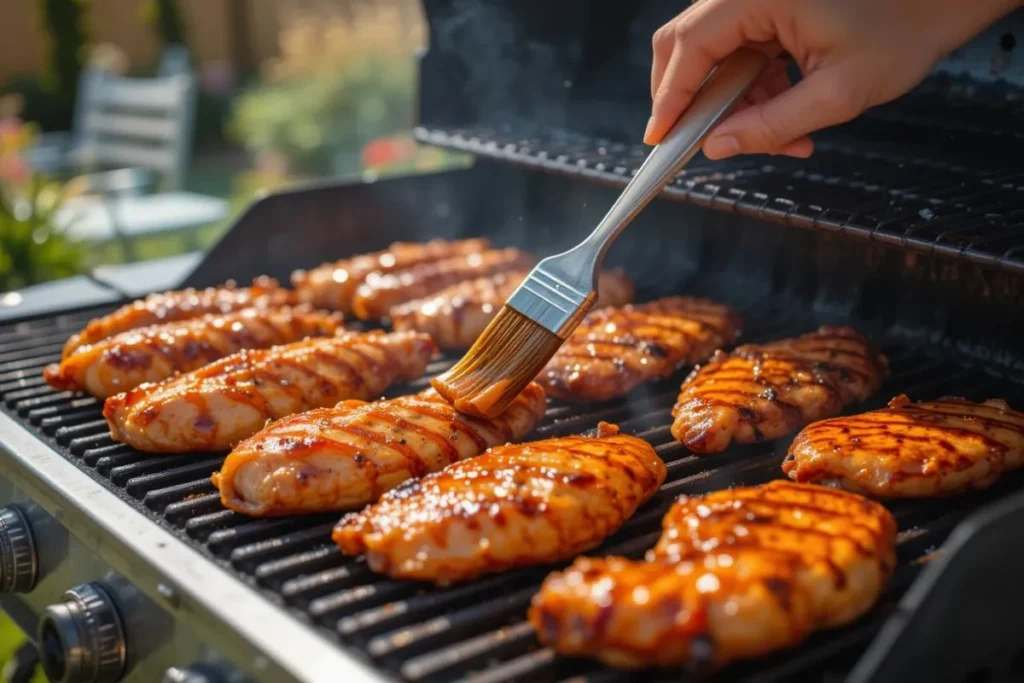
(342, 80)
(164, 15)
(31, 247)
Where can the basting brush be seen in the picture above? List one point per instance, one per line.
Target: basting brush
(545, 309)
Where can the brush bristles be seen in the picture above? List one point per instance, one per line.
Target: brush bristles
(506, 357)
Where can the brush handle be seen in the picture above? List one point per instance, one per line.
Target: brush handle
(720, 91)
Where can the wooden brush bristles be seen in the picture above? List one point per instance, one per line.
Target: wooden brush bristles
(506, 357)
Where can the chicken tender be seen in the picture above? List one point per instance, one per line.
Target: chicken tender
(910, 450)
(760, 392)
(513, 506)
(615, 349)
(736, 574)
(333, 285)
(184, 304)
(457, 315)
(345, 457)
(217, 406)
(153, 353)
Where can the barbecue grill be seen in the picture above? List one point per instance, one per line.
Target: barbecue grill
(913, 230)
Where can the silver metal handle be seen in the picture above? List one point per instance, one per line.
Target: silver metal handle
(720, 91)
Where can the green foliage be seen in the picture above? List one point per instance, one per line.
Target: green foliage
(320, 120)
(31, 248)
(164, 15)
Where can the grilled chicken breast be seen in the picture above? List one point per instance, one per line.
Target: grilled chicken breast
(345, 457)
(736, 574)
(153, 353)
(215, 407)
(513, 506)
(184, 304)
(333, 285)
(456, 315)
(379, 294)
(760, 392)
(615, 349)
(931, 448)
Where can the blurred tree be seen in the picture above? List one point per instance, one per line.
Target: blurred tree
(164, 15)
(66, 40)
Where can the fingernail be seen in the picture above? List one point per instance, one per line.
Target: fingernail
(721, 146)
(648, 130)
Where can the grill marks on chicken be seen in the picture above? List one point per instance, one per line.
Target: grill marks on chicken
(333, 285)
(217, 406)
(513, 506)
(736, 574)
(185, 304)
(760, 392)
(931, 448)
(153, 353)
(614, 350)
(457, 315)
(378, 294)
(345, 457)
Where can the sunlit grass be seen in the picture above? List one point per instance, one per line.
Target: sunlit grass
(11, 638)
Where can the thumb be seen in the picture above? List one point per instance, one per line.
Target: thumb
(824, 98)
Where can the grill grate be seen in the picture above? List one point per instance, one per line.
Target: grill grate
(477, 630)
(900, 195)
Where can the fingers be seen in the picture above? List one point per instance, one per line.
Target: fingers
(822, 99)
(662, 44)
(700, 37)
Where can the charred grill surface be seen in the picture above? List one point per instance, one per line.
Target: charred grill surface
(422, 633)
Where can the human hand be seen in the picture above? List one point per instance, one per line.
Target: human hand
(853, 54)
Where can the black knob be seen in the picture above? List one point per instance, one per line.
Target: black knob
(19, 564)
(81, 639)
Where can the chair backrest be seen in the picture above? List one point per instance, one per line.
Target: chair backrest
(136, 122)
(175, 59)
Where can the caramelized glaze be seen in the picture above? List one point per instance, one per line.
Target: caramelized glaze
(215, 407)
(615, 349)
(333, 285)
(931, 448)
(513, 506)
(167, 307)
(736, 574)
(345, 457)
(762, 392)
(457, 315)
(379, 293)
(153, 353)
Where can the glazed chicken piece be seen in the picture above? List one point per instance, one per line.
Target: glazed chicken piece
(345, 457)
(333, 285)
(514, 506)
(184, 304)
(153, 353)
(760, 392)
(736, 574)
(456, 315)
(380, 293)
(911, 450)
(616, 349)
(215, 407)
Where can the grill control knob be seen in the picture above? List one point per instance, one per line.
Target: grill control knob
(19, 565)
(81, 639)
